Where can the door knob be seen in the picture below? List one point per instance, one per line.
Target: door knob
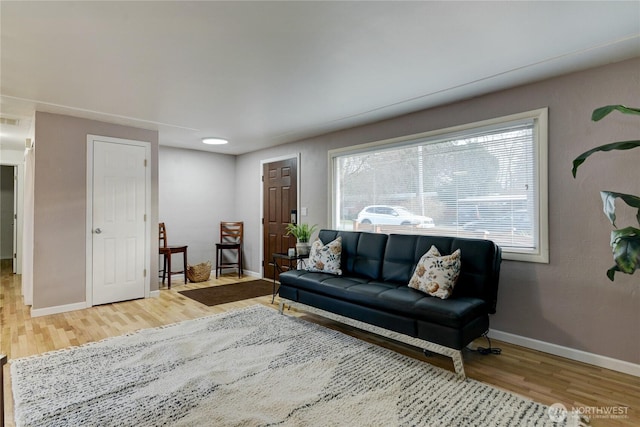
(97, 231)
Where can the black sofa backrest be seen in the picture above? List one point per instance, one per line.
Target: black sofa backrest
(393, 258)
(362, 253)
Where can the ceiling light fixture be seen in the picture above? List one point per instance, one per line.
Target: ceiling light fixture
(214, 140)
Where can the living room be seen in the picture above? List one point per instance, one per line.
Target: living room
(565, 307)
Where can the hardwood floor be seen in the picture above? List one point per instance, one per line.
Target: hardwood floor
(544, 378)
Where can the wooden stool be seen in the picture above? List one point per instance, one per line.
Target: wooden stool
(167, 251)
(231, 234)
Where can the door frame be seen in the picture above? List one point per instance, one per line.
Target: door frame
(14, 215)
(295, 156)
(89, 214)
(11, 159)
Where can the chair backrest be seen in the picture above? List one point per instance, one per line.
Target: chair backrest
(162, 236)
(231, 231)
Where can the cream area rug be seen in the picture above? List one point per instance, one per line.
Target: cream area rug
(252, 367)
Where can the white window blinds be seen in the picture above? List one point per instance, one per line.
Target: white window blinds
(481, 182)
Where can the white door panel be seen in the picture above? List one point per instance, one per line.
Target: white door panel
(118, 225)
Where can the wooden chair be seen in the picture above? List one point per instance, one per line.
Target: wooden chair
(231, 234)
(167, 251)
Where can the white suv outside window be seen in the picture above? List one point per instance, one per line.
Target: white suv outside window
(392, 215)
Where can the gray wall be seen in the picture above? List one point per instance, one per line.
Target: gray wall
(59, 258)
(568, 302)
(197, 191)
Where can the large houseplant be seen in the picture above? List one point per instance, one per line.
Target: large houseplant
(625, 242)
(302, 232)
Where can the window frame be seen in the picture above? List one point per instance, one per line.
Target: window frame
(541, 171)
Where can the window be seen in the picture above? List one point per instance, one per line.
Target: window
(483, 180)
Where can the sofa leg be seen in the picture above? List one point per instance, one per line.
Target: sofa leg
(458, 364)
(455, 355)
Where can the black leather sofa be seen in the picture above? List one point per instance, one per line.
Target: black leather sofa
(372, 292)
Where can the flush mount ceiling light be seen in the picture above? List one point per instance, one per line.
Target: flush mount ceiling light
(214, 140)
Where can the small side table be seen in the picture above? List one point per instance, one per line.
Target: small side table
(293, 262)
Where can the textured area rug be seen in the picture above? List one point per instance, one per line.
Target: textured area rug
(252, 367)
(214, 295)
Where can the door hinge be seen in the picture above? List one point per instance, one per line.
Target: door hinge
(145, 163)
(145, 217)
(15, 256)
(144, 273)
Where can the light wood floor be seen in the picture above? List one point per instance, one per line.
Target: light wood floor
(539, 376)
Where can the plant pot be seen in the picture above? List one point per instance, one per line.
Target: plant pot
(302, 248)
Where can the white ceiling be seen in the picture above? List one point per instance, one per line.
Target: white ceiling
(266, 73)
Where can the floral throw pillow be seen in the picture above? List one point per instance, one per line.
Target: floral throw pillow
(436, 274)
(326, 258)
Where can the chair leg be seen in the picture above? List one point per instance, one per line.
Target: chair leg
(239, 263)
(164, 269)
(217, 261)
(184, 269)
(169, 270)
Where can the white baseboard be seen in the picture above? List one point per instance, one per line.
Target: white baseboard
(37, 312)
(174, 277)
(255, 274)
(569, 353)
(235, 270)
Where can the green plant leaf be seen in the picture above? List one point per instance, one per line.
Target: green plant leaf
(625, 243)
(611, 272)
(626, 251)
(609, 206)
(620, 145)
(302, 232)
(600, 113)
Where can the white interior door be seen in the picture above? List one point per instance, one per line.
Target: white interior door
(118, 232)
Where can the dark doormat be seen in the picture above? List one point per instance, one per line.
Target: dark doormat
(214, 295)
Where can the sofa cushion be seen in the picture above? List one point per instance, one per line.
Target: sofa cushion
(326, 258)
(370, 254)
(387, 296)
(399, 259)
(362, 253)
(436, 275)
(451, 312)
(321, 283)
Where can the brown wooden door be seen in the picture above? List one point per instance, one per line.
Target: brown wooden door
(280, 193)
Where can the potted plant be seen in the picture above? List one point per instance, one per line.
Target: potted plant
(625, 242)
(302, 232)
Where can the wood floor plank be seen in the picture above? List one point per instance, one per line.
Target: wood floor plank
(542, 377)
